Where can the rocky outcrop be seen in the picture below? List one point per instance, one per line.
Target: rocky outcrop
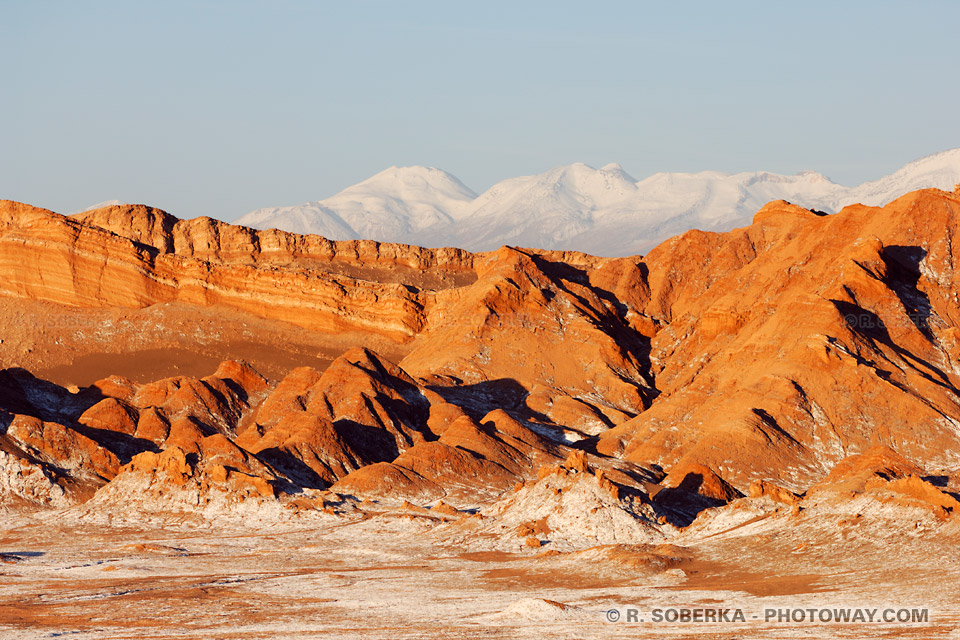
(469, 463)
(134, 256)
(566, 506)
(790, 344)
(801, 356)
(542, 324)
(79, 441)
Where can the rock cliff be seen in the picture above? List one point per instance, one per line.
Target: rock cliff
(759, 362)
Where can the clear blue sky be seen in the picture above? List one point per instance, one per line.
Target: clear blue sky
(217, 108)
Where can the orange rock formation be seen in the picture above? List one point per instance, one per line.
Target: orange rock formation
(758, 362)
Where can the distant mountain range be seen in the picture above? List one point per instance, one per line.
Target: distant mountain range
(601, 211)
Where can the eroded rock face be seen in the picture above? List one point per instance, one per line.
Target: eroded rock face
(78, 441)
(539, 322)
(135, 256)
(796, 359)
(789, 344)
(570, 503)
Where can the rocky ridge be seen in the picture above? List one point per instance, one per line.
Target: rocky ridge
(802, 362)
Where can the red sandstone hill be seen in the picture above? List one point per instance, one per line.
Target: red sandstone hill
(719, 365)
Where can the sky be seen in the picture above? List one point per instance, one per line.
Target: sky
(219, 108)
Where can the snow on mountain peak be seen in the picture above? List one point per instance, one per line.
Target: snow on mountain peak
(592, 187)
(814, 176)
(411, 180)
(939, 170)
(603, 211)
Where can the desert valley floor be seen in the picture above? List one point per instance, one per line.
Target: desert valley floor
(405, 573)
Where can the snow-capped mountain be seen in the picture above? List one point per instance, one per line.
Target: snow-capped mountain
(601, 211)
(400, 204)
